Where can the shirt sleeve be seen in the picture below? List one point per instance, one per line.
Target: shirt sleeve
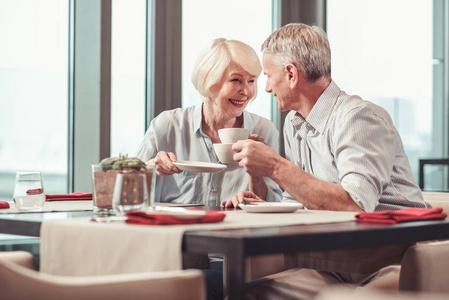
(365, 145)
(286, 197)
(274, 192)
(148, 147)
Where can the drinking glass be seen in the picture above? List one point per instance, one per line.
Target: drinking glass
(29, 191)
(130, 192)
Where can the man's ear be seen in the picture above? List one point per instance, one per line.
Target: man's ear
(292, 74)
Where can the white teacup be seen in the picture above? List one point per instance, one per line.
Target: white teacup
(224, 153)
(232, 135)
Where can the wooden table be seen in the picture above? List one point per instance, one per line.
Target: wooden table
(237, 244)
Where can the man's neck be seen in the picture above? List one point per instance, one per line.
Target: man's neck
(309, 93)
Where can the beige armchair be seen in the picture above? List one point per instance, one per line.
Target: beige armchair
(424, 276)
(360, 294)
(20, 281)
(438, 199)
(425, 268)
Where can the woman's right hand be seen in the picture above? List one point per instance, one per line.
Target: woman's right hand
(164, 164)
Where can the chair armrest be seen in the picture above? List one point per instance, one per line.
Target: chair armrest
(366, 294)
(21, 258)
(19, 282)
(425, 268)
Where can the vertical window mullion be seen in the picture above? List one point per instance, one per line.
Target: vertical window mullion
(91, 93)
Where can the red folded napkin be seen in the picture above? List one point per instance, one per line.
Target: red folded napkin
(4, 204)
(67, 197)
(402, 215)
(148, 218)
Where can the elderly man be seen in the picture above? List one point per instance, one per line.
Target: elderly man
(342, 153)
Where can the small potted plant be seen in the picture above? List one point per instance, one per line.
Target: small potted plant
(104, 176)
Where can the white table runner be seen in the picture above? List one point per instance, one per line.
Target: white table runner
(77, 247)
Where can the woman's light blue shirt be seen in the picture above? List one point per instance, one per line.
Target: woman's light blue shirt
(179, 131)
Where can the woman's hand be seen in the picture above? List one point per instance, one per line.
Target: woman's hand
(242, 197)
(256, 138)
(164, 164)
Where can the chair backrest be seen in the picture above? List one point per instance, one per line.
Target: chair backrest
(19, 282)
(425, 268)
(438, 199)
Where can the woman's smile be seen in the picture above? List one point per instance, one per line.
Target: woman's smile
(238, 103)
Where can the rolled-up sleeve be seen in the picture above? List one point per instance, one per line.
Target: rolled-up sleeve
(364, 147)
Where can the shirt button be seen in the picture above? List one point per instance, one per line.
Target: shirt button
(213, 190)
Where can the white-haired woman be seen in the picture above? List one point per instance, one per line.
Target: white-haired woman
(225, 76)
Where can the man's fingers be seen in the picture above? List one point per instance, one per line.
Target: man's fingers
(238, 146)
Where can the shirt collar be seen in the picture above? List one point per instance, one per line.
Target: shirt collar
(247, 121)
(198, 118)
(321, 111)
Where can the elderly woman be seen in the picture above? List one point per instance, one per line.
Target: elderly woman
(225, 75)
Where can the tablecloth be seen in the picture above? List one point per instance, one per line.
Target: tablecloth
(78, 246)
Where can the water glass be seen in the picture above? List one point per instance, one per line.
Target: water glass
(29, 191)
(130, 192)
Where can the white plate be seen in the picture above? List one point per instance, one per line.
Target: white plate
(270, 207)
(199, 166)
(179, 213)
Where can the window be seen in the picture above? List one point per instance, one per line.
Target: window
(385, 55)
(33, 92)
(249, 21)
(128, 75)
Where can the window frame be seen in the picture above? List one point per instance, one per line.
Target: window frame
(90, 67)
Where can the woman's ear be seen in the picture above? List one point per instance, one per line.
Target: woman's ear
(215, 89)
(292, 74)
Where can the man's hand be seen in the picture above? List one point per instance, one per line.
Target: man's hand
(256, 158)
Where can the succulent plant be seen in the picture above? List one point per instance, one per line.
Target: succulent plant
(123, 162)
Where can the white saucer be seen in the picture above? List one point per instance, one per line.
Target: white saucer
(199, 166)
(270, 207)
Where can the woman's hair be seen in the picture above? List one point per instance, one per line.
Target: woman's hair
(307, 47)
(212, 63)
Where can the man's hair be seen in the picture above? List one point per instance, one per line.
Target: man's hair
(213, 62)
(307, 47)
